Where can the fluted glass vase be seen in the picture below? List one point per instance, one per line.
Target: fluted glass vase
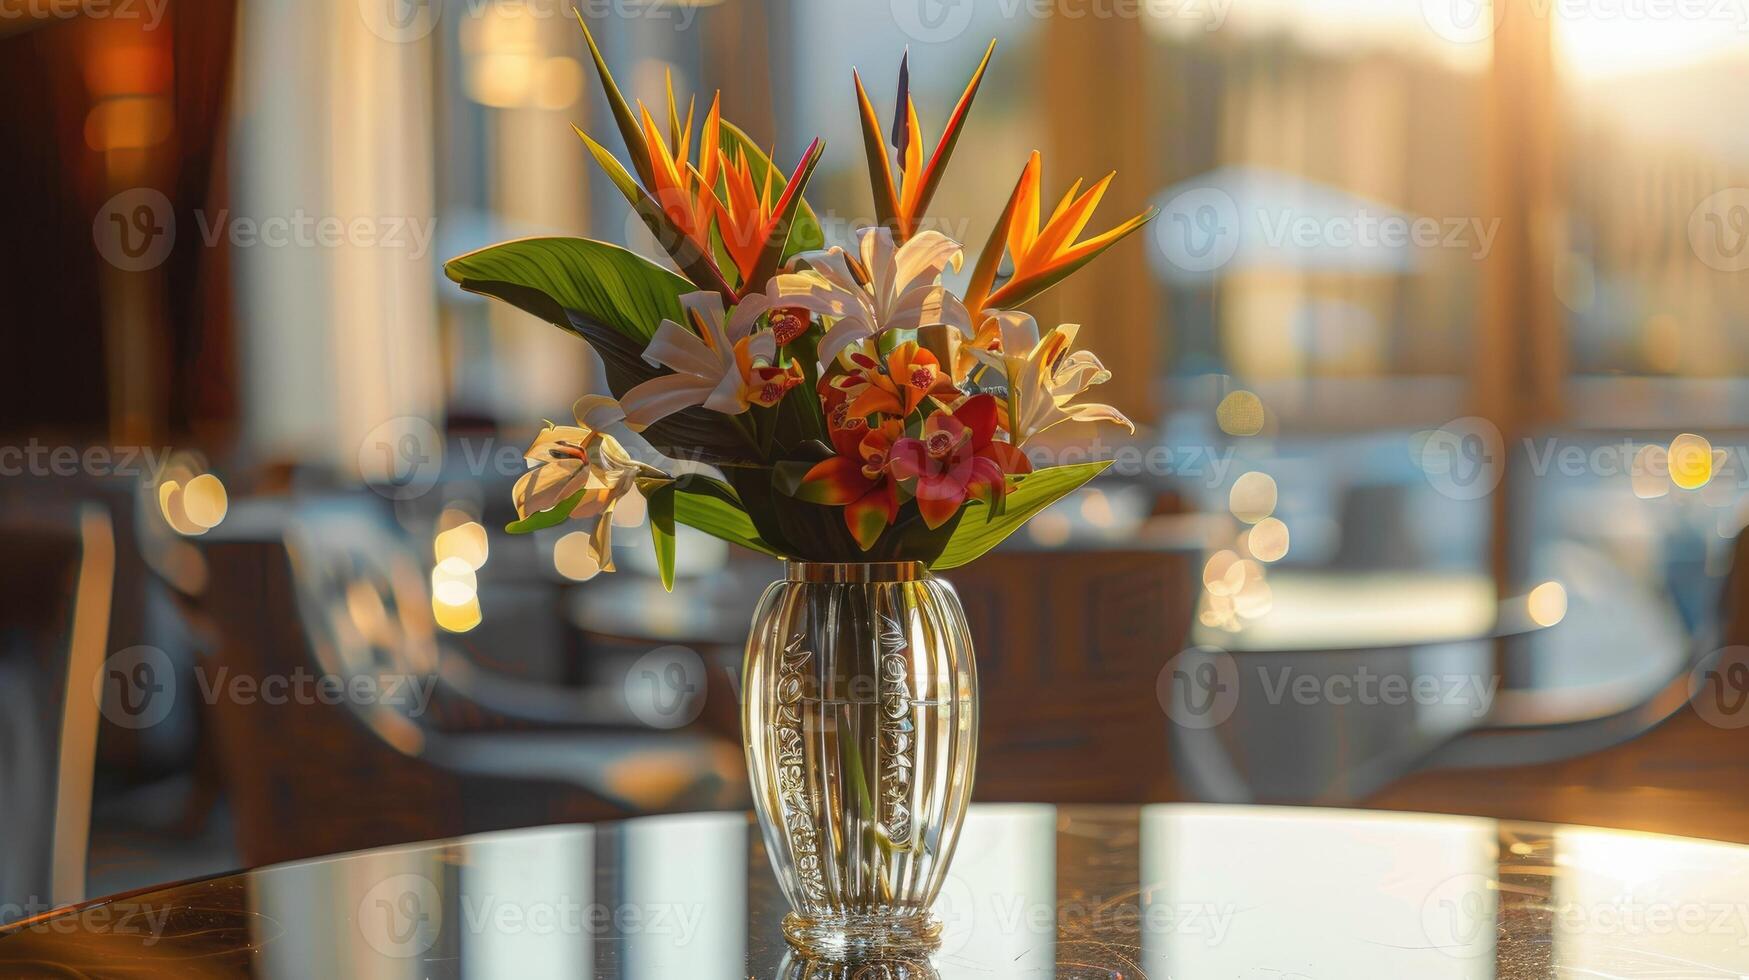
(860, 712)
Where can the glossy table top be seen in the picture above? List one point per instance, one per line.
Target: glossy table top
(1187, 892)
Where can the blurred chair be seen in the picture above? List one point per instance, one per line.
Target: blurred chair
(54, 621)
(1671, 763)
(1070, 644)
(330, 589)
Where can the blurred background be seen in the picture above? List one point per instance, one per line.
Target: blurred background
(1437, 348)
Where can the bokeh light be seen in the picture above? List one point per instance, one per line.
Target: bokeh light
(1252, 497)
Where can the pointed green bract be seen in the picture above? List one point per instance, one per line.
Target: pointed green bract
(662, 532)
(788, 207)
(804, 229)
(622, 111)
(1031, 494)
(551, 517)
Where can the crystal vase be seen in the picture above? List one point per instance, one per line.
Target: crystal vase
(860, 712)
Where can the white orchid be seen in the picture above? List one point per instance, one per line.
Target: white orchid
(887, 287)
(718, 363)
(583, 462)
(1042, 376)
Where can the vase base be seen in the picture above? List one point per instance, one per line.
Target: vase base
(857, 938)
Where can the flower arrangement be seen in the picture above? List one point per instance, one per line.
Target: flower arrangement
(848, 405)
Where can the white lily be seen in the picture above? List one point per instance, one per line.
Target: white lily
(889, 288)
(581, 461)
(1043, 376)
(717, 363)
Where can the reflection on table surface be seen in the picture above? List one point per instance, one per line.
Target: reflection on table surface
(1169, 891)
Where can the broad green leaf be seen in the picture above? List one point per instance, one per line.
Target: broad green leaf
(804, 233)
(1032, 493)
(614, 299)
(550, 517)
(558, 279)
(662, 532)
(712, 506)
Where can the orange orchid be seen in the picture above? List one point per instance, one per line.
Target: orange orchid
(957, 459)
(858, 479)
(1042, 255)
(896, 386)
(900, 203)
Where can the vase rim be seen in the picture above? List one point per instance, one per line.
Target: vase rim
(855, 571)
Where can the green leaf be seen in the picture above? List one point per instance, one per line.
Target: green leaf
(804, 230)
(554, 278)
(540, 520)
(1032, 493)
(712, 506)
(662, 532)
(614, 299)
